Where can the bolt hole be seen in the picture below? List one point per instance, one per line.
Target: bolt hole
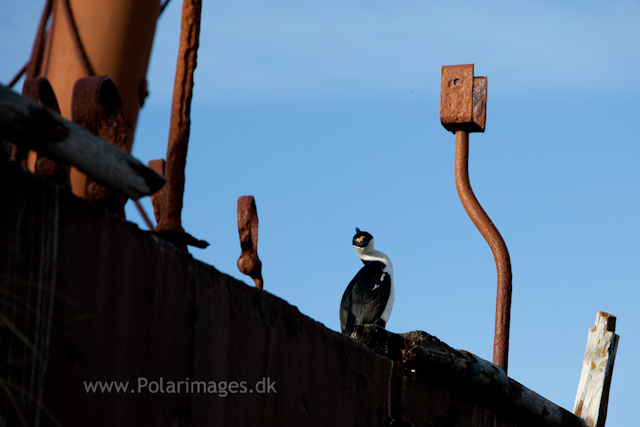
(457, 82)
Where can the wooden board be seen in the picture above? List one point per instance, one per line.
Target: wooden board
(597, 370)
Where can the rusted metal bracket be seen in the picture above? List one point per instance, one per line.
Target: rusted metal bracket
(463, 104)
(96, 106)
(39, 89)
(463, 99)
(249, 263)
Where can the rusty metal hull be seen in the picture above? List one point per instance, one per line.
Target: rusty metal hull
(128, 305)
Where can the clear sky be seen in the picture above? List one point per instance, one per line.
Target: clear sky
(328, 113)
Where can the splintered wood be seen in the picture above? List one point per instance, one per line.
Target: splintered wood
(597, 369)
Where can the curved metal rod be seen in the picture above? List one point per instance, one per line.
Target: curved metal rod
(498, 247)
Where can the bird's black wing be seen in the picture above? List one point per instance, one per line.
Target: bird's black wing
(366, 297)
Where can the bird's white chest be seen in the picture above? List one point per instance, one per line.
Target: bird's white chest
(388, 269)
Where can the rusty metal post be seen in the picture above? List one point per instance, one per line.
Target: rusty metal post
(170, 215)
(249, 263)
(463, 110)
(498, 247)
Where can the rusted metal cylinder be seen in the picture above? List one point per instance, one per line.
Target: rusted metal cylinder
(100, 37)
(498, 247)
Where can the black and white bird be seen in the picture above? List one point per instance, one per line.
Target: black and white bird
(368, 299)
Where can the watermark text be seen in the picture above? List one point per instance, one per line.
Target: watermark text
(160, 385)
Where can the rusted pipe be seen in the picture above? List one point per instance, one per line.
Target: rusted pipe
(498, 247)
(170, 215)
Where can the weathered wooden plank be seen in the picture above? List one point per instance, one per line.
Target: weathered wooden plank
(597, 369)
(25, 122)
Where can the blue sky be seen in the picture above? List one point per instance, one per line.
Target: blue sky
(328, 113)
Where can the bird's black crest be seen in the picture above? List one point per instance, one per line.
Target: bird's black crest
(362, 238)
